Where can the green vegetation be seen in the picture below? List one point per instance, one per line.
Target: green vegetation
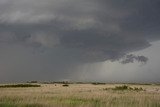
(125, 87)
(19, 105)
(98, 83)
(19, 85)
(74, 102)
(65, 85)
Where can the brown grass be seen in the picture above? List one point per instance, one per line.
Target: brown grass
(79, 95)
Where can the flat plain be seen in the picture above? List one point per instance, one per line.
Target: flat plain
(81, 95)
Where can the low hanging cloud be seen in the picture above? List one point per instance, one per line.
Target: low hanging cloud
(131, 58)
(83, 31)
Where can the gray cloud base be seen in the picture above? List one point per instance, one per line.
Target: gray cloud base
(80, 31)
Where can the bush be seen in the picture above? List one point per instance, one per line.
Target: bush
(19, 85)
(125, 87)
(65, 85)
(98, 83)
(138, 89)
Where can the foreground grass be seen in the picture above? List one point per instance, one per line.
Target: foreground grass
(80, 95)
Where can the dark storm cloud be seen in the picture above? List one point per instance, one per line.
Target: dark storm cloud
(78, 31)
(131, 58)
(101, 30)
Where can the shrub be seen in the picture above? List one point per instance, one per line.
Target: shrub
(65, 85)
(138, 89)
(98, 83)
(19, 85)
(125, 87)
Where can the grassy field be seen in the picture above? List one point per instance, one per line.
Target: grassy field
(81, 95)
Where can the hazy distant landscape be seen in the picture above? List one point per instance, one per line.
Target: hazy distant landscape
(79, 95)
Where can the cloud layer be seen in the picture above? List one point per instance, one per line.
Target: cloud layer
(80, 31)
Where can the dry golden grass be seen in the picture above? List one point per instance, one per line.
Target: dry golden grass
(79, 95)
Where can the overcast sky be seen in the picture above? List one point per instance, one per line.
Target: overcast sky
(80, 40)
